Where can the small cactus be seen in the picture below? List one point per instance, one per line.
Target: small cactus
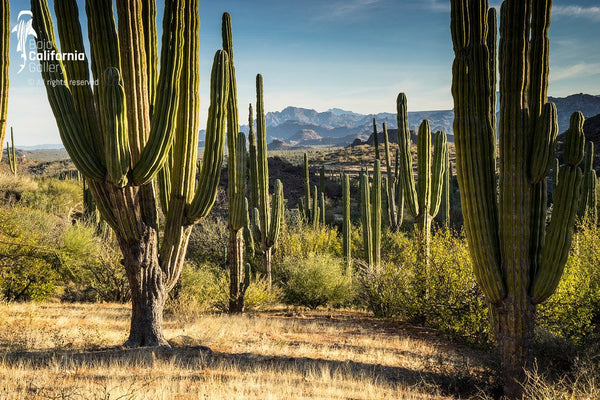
(12, 154)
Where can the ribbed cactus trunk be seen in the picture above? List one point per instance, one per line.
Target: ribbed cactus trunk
(588, 202)
(394, 202)
(347, 224)
(306, 205)
(136, 127)
(424, 197)
(444, 213)
(370, 211)
(517, 259)
(4, 64)
(11, 153)
(376, 139)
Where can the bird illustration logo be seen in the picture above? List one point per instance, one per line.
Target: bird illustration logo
(24, 29)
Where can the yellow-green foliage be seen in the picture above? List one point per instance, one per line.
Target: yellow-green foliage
(208, 241)
(314, 279)
(298, 240)
(29, 261)
(573, 311)
(53, 196)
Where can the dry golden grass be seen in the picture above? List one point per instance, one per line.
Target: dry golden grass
(59, 351)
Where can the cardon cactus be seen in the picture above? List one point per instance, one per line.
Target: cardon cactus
(375, 139)
(347, 224)
(253, 161)
(306, 204)
(270, 213)
(517, 259)
(393, 188)
(11, 153)
(5, 58)
(370, 208)
(588, 201)
(140, 120)
(424, 197)
(444, 214)
(236, 180)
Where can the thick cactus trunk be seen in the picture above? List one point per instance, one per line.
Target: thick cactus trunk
(236, 266)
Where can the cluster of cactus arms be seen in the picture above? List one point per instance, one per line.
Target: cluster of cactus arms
(588, 202)
(346, 224)
(236, 181)
(270, 213)
(424, 197)
(138, 129)
(370, 213)
(11, 153)
(517, 259)
(4, 64)
(394, 195)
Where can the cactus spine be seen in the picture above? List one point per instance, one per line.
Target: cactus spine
(588, 201)
(4, 64)
(136, 123)
(271, 214)
(394, 199)
(517, 260)
(370, 203)
(347, 224)
(424, 198)
(11, 153)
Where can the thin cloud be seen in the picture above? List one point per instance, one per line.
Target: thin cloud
(573, 71)
(592, 13)
(438, 6)
(346, 8)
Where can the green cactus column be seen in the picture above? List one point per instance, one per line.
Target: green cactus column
(376, 139)
(138, 126)
(347, 224)
(253, 165)
(424, 197)
(4, 64)
(11, 153)
(588, 202)
(306, 204)
(370, 211)
(444, 213)
(517, 259)
(270, 212)
(395, 201)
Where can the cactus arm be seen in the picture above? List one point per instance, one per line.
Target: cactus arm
(544, 138)
(406, 170)
(133, 60)
(389, 187)
(315, 208)
(71, 41)
(61, 100)
(322, 208)
(4, 64)
(399, 194)
(588, 183)
(114, 126)
(276, 214)
(307, 201)
(492, 43)
(248, 231)
(375, 139)
(424, 167)
(253, 161)
(151, 47)
(11, 153)
(263, 166)
(164, 95)
(438, 172)
(212, 159)
(322, 179)
(163, 181)
(347, 224)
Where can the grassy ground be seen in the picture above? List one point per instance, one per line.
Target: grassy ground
(60, 351)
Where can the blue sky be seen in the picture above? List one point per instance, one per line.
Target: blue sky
(351, 54)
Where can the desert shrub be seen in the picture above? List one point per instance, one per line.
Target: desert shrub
(53, 196)
(313, 280)
(209, 241)
(12, 187)
(258, 296)
(29, 261)
(297, 240)
(446, 297)
(91, 266)
(573, 311)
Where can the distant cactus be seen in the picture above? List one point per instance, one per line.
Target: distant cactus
(12, 154)
(270, 213)
(315, 212)
(424, 197)
(376, 139)
(517, 258)
(307, 204)
(394, 199)
(370, 204)
(444, 213)
(4, 64)
(347, 224)
(123, 134)
(588, 202)
(322, 179)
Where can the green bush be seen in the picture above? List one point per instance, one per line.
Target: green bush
(209, 241)
(314, 280)
(297, 240)
(573, 311)
(53, 196)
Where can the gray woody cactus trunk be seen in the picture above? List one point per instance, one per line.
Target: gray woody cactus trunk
(136, 127)
(4, 63)
(424, 197)
(517, 259)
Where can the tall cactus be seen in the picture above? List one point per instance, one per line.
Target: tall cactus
(376, 139)
(588, 201)
(347, 224)
(444, 213)
(253, 166)
(4, 64)
(517, 260)
(270, 213)
(424, 198)
(140, 120)
(306, 204)
(236, 180)
(394, 198)
(370, 203)
(11, 153)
